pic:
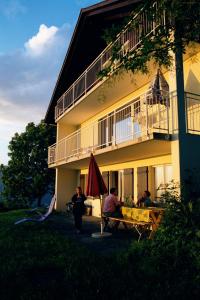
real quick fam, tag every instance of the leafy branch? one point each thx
(181, 18)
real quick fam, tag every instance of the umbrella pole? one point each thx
(101, 201)
(101, 234)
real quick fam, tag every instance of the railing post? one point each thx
(147, 116)
(73, 93)
(63, 97)
(168, 106)
(93, 137)
(85, 81)
(114, 129)
(65, 150)
(172, 111)
(186, 111)
(56, 152)
(77, 143)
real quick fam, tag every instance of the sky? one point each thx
(34, 37)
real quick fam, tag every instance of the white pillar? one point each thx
(135, 185)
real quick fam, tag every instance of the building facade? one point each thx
(130, 122)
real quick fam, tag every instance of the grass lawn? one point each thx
(39, 261)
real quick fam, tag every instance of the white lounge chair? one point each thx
(39, 217)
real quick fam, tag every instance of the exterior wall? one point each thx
(66, 182)
(192, 70)
(64, 130)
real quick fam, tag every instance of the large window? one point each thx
(120, 126)
(143, 180)
(126, 184)
(163, 175)
(106, 179)
(123, 124)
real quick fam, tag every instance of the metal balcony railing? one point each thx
(129, 39)
(149, 113)
(192, 102)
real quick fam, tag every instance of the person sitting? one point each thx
(112, 208)
(145, 200)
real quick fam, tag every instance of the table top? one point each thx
(141, 214)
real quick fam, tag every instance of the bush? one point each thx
(168, 267)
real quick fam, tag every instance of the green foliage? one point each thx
(128, 201)
(182, 22)
(27, 177)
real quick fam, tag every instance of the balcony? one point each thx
(128, 40)
(151, 116)
(146, 117)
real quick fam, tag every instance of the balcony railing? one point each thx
(128, 39)
(193, 113)
(149, 113)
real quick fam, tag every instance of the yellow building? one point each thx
(126, 121)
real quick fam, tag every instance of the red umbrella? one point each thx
(95, 185)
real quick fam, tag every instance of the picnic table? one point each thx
(141, 219)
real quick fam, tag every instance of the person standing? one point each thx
(78, 208)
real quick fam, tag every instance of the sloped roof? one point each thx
(87, 43)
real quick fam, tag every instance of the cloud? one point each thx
(43, 39)
(27, 79)
(11, 8)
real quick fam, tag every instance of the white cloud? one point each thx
(27, 79)
(44, 38)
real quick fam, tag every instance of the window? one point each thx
(128, 183)
(105, 176)
(163, 175)
(143, 180)
(123, 124)
(106, 130)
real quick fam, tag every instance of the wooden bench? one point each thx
(139, 226)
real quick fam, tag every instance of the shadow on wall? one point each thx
(193, 80)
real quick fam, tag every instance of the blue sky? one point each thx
(32, 32)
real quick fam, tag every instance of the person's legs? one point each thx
(78, 220)
(118, 214)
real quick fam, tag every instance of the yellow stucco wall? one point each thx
(67, 180)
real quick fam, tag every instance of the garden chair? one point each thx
(39, 216)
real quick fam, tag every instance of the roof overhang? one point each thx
(87, 43)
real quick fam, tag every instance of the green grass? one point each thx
(39, 262)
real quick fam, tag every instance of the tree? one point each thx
(181, 26)
(27, 178)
